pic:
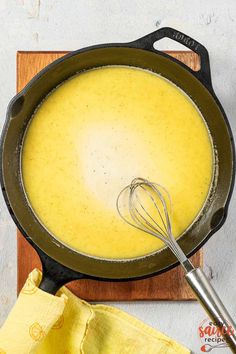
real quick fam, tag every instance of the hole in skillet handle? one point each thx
(55, 275)
(148, 41)
(167, 45)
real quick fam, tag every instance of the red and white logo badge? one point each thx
(211, 336)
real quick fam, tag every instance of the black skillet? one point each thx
(62, 264)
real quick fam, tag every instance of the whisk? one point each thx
(147, 206)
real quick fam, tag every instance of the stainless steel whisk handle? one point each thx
(214, 307)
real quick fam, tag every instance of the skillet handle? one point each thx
(212, 304)
(148, 41)
(55, 275)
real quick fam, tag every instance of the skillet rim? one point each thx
(118, 45)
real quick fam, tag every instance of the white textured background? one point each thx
(71, 24)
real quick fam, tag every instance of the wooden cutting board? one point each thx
(168, 286)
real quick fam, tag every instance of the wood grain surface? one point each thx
(168, 286)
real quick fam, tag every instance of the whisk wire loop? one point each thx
(149, 215)
(138, 215)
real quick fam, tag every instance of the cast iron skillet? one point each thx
(62, 264)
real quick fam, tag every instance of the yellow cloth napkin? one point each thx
(41, 323)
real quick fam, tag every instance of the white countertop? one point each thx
(72, 24)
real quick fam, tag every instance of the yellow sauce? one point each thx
(93, 135)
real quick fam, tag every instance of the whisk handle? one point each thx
(214, 307)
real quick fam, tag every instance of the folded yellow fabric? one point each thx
(41, 323)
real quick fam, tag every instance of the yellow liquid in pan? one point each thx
(92, 136)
